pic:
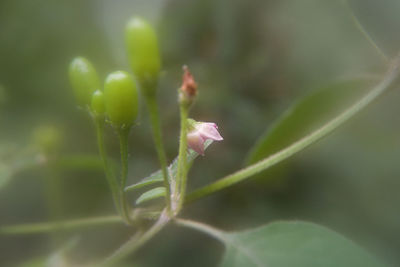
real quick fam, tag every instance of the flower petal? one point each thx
(196, 142)
(209, 130)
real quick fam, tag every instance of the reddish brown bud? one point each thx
(188, 90)
(189, 86)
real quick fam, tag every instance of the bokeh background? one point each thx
(252, 60)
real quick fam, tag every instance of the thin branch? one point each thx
(137, 240)
(37, 228)
(180, 185)
(157, 137)
(218, 234)
(366, 35)
(111, 179)
(123, 135)
(222, 236)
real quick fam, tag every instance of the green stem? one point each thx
(36, 228)
(224, 237)
(218, 234)
(326, 129)
(138, 240)
(364, 32)
(53, 192)
(123, 134)
(54, 200)
(180, 186)
(157, 137)
(63, 225)
(111, 179)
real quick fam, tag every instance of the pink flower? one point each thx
(199, 133)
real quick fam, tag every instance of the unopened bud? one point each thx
(84, 80)
(97, 105)
(121, 99)
(142, 46)
(188, 90)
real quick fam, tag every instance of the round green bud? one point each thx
(121, 99)
(98, 107)
(142, 46)
(84, 80)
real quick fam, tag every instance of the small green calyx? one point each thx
(142, 47)
(84, 80)
(121, 99)
(191, 123)
(97, 105)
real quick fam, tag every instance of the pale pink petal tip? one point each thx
(209, 130)
(196, 142)
(202, 131)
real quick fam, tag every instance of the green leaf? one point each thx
(157, 177)
(293, 244)
(278, 244)
(151, 194)
(305, 116)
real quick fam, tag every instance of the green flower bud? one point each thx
(98, 107)
(121, 99)
(142, 46)
(84, 80)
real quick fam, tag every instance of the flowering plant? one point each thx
(149, 205)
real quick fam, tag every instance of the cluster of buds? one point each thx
(119, 100)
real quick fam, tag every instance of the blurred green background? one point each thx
(252, 60)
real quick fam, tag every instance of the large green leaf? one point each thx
(305, 116)
(296, 244)
(281, 244)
